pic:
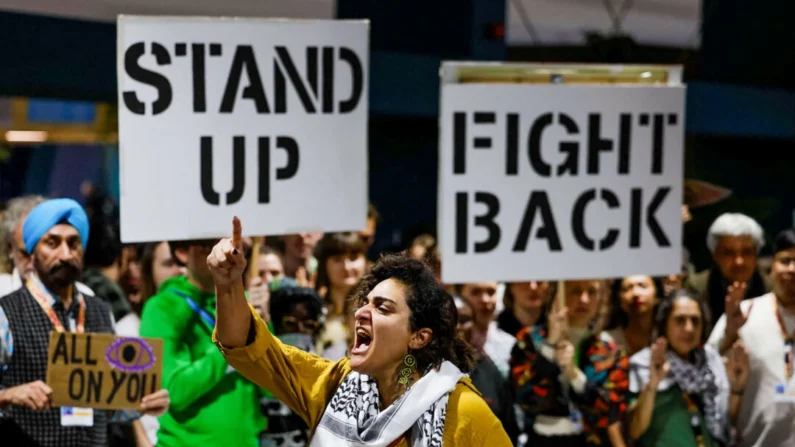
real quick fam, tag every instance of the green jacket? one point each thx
(211, 405)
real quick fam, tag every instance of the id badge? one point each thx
(576, 420)
(784, 393)
(77, 417)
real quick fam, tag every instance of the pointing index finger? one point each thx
(237, 233)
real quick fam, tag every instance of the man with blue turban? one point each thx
(55, 234)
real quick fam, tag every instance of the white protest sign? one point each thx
(261, 119)
(548, 182)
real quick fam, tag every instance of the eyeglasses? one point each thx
(292, 324)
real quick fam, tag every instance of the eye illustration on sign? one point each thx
(130, 355)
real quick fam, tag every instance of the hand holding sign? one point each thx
(227, 262)
(156, 404)
(36, 396)
(558, 324)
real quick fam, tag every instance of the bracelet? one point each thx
(738, 393)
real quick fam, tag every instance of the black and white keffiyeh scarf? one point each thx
(706, 377)
(701, 378)
(352, 417)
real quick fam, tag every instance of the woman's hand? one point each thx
(658, 364)
(227, 262)
(156, 404)
(735, 318)
(558, 323)
(564, 356)
(737, 367)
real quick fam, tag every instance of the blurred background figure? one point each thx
(342, 261)
(735, 241)
(297, 314)
(486, 377)
(634, 301)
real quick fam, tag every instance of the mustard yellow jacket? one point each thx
(306, 382)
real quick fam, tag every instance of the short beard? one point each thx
(59, 276)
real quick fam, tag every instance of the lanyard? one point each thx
(43, 298)
(695, 419)
(209, 319)
(788, 342)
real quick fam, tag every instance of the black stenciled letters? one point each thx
(211, 196)
(118, 380)
(75, 359)
(94, 386)
(578, 219)
(133, 391)
(280, 83)
(238, 171)
(60, 351)
(244, 59)
(140, 74)
(89, 360)
(485, 220)
(538, 202)
(357, 76)
(651, 220)
(315, 90)
(77, 384)
(596, 143)
(570, 148)
(291, 147)
(199, 87)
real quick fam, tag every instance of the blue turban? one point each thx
(51, 213)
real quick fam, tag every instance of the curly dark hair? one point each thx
(431, 307)
(666, 308)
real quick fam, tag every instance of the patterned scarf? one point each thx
(352, 417)
(699, 378)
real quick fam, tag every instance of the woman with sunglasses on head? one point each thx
(405, 382)
(682, 393)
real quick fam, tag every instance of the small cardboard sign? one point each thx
(103, 371)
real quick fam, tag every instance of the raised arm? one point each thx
(302, 381)
(227, 264)
(644, 407)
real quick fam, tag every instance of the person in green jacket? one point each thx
(211, 404)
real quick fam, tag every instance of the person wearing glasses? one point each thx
(296, 314)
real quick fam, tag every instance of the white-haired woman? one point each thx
(734, 240)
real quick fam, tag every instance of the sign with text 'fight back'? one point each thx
(261, 119)
(548, 182)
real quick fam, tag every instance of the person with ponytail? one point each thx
(405, 382)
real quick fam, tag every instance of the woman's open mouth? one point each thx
(362, 342)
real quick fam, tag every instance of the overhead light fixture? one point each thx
(26, 136)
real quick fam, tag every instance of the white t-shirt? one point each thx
(763, 422)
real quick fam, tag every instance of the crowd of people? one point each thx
(301, 340)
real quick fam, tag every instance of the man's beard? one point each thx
(60, 275)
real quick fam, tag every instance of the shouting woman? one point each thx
(404, 383)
